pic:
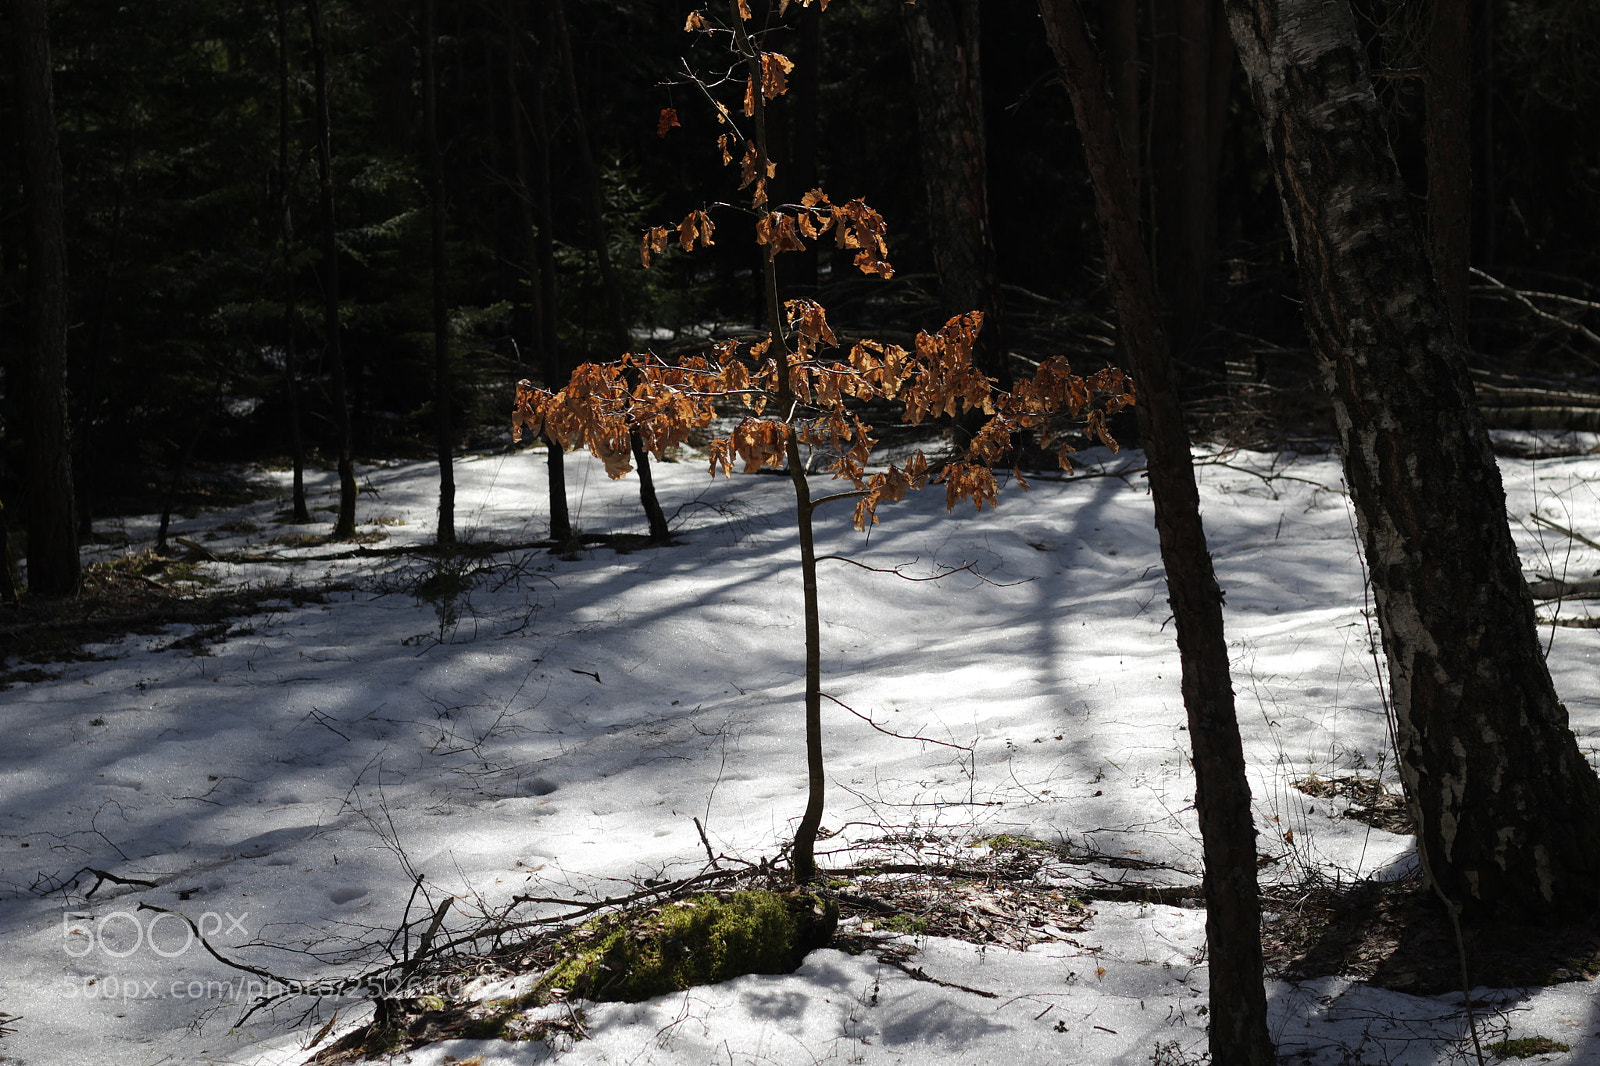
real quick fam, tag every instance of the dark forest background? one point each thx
(187, 137)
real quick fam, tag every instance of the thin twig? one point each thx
(1579, 537)
(947, 572)
(892, 733)
(704, 840)
(1522, 298)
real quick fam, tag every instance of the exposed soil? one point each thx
(1370, 802)
(1397, 935)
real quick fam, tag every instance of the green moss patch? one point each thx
(699, 941)
(1526, 1048)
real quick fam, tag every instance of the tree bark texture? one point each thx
(345, 525)
(1222, 791)
(1507, 809)
(445, 532)
(943, 39)
(53, 566)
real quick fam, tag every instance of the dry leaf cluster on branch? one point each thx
(598, 408)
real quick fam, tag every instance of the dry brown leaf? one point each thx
(653, 243)
(775, 70)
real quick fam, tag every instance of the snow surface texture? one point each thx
(558, 727)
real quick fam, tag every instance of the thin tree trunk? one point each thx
(533, 184)
(345, 526)
(615, 311)
(8, 573)
(943, 39)
(1447, 95)
(1222, 791)
(1507, 809)
(90, 383)
(53, 566)
(446, 532)
(301, 514)
(803, 861)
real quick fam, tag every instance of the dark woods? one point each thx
(316, 231)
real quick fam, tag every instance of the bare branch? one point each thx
(897, 571)
(892, 733)
(1520, 297)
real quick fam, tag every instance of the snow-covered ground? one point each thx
(560, 728)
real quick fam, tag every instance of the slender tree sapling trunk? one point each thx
(1506, 807)
(803, 862)
(1222, 790)
(793, 394)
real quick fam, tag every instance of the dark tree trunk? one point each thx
(443, 447)
(53, 567)
(1484, 193)
(9, 592)
(1222, 791)
(300, 513)
(533, 185)
(1122, 56)
(1506, 808)
(345, 526)
(1447, 92)
(942, 36)
(90, 399)
(1192, 62)
(393, 95)
(615, 310)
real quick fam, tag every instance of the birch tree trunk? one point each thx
(1507, 810)
(1222, 791)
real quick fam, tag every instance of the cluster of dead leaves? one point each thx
(664, 403)
(856, 226)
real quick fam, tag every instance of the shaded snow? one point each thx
(562, 729)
